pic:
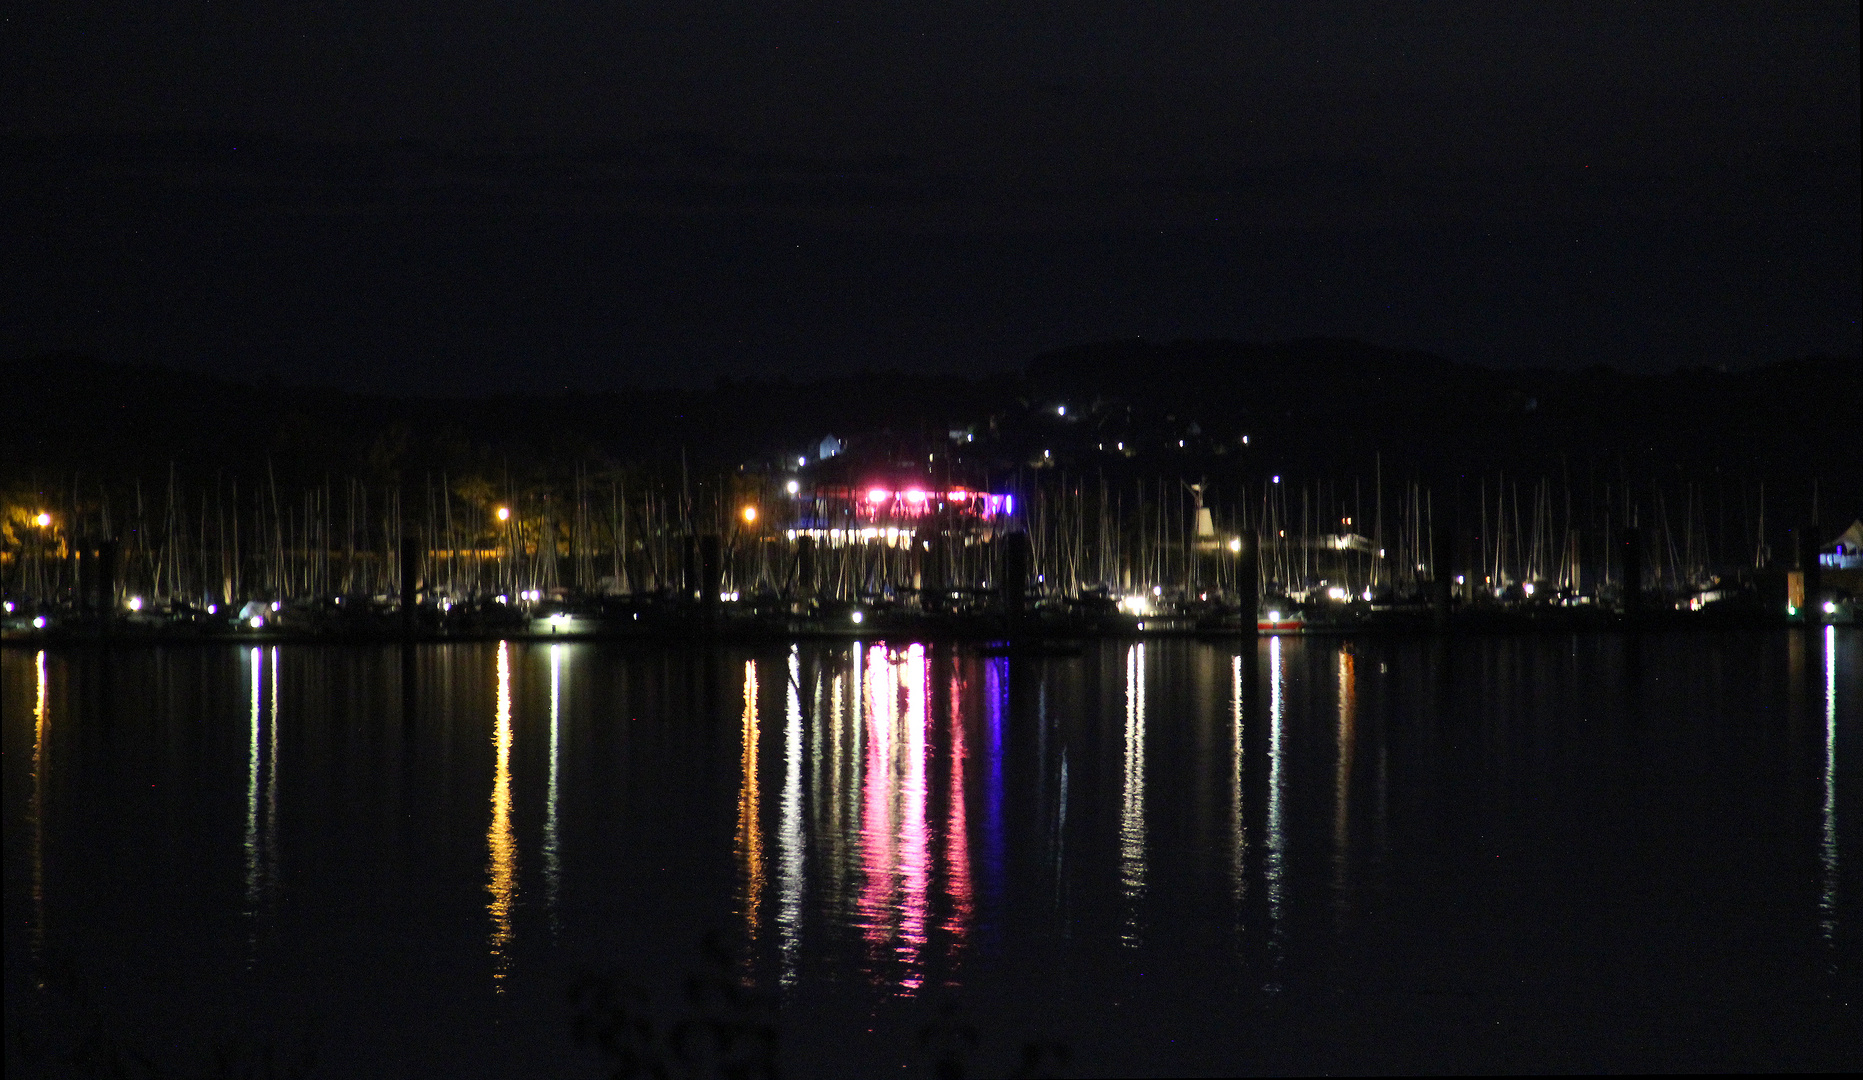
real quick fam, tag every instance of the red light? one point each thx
(878, 495)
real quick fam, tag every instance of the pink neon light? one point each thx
(878, 495)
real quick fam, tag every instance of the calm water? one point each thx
(1346, 855)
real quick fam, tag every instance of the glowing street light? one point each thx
(792, 487)
(749, 514)
(43, 520)
(503, 513)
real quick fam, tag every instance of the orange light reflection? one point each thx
(501, 868)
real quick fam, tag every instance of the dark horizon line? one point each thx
(270, 380)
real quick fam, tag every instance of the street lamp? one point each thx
(503, 513)
(43, 520)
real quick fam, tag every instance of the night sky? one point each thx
(472, 196)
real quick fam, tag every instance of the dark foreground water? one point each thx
(1573, 853)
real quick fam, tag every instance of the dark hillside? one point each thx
(1317, 407)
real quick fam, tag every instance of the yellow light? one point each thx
(1235, 543)
(750, 515)
(42, 520)
(504, 513)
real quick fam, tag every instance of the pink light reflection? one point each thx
(957, 830)
(877, 855)
(914, 836)
(895, 836)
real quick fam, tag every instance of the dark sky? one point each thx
(448, 195)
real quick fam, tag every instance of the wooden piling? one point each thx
(1632, 541)
(409, 568)
(1248, 581)
(1016, 561)
(1442, 574)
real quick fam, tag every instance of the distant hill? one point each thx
(1311, 407)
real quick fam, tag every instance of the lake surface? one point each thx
(1318, 854)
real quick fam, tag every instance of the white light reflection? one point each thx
(257, 663)
(842, 796)
(1238, 848)
(269, 832)
(1827, 853)
(1274, 869)
(789, 883)
(552, 854)
(1132, 804)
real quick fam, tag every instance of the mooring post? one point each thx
(410, 565)
(689, 567)
(1633, 573)
(1016, 574)
(805, 567)
(1442, 574)
(105, 574)
(711, 573)
(87, 576)
(1807, 544)
(1248, 581)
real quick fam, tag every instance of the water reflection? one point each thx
(962, 907)
(260, 842)
(995, 697)
(1238, 821)
(552, 857)
(789, 883)
(41, 722)
(268, 834)
(1132, 798)
(873, 810)
(1827, 848)
(895, 852)
(918, 816)
(501, 866)
(749, 824)
(1274, 867)
(257, 664)
(1342, 779)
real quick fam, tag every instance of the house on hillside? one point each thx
(1845, 552)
